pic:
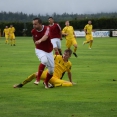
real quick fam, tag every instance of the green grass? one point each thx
(95, 94)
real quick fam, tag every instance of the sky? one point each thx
(44, 7)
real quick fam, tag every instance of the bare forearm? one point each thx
(70, 76)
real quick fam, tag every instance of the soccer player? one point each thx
(12, 35)
(62, 65)
(43, 50)
(69, 34)
(6, 34)
(55, 35)
(88, 34)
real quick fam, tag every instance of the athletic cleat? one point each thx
(50, 85)
(36, 82)
(75, 54)
(46, 85)
(18, 86)
(13, 44)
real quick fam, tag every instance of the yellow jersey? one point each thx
(88, 28)
(6, 31)
(11, 30)
(61, 66)
(70, 31)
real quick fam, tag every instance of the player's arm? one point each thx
(69, 76)
(59, 31)
(85, 30)
(64, 32)
(44, 38)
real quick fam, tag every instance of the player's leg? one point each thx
(91, 41)
(29, 79)
(50, 66)
(59, 46)
(58, 82)
(74, 42)
(68, 44)
(54, 43)
(87, 40)
(14, 40)
(6, 39)
(11, 39)
(42, 57)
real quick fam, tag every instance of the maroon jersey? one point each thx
(55, 31)
(44, 45)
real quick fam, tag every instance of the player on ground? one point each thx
(88, 34)
(55, 35)
(62, 64)
(69, 34)
(43, 50)
(12, 35)
(6, 34)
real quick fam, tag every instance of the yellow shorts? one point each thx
(12, 36)
(71, 42)
(55, 81)
(89, 37)
(6, 36)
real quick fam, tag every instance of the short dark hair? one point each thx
(39, 20)
(50, 17)
(68, 51)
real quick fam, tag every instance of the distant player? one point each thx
(12, 35)
(43, 50)
(55, 35)
(69, 34)
(6, 34)
(88, 34)
(62, 65)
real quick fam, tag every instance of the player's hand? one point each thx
(74, 83)
(38, 42)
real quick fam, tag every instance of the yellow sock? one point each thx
(13, 41)
(67, 84)
(75, 48)
(29, 79)
(57, 85)
(90, 45)
(86, 42)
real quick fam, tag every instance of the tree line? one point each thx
(24, 26)
(23, 17)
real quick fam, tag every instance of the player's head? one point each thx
(67, 23)
(89, 22)
(67, 54)
(11, 25)
(6, 26)
(37, 23)
(51, 20)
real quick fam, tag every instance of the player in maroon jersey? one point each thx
(43, 50)
(55, 35)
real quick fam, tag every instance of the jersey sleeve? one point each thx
(64, 30)
(47, 31)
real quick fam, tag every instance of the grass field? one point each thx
(94, 71)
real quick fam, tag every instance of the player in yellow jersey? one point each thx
(68, 32)
(88, 32)
(12, 35)
(6, 34)
(62, 65)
